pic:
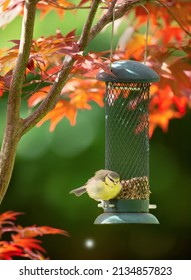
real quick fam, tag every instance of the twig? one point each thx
(87, 27)
(173, 16)
(147, 34)
(108, 16)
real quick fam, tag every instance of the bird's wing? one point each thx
(79, 191)
(99, 175)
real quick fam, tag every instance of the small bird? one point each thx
(104, 186)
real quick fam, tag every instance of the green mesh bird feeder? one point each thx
(127, 140)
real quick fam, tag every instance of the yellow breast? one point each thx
(99, 190)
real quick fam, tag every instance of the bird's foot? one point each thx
(105, 204)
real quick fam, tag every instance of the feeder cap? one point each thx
(126, 71)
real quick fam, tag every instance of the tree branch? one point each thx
(13, 122)
(87, 27)
(108, 16)
(173, 16)
(22, 60)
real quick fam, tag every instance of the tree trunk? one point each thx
(12, 132)
(7, 159)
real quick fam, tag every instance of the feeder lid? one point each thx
(129, 71)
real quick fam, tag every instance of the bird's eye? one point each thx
(111, 179)
(115, 181)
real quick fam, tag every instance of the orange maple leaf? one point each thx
(34, 231)
(83, 91)
(8, 60)
(62, 109)
(9, 250)
(5, 4)
(9, 10)
(38, 96)
(27, 243)
(8, 216)
(161, 120)
(2, 85)
(77, 94)
(135, 46)
(163, 98)
(59, 6)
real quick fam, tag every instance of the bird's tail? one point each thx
(79, 191)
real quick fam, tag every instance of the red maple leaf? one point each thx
(8, 216)
(23, 242)
(9, 250)
(33, 231)
(62, 109)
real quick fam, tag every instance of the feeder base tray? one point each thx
(126, 218)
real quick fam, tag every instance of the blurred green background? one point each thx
(49, 165)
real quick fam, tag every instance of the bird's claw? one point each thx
(105, 204)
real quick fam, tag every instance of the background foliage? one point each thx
(48, 166)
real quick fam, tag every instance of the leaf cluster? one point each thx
(21, 241)
(168, 53)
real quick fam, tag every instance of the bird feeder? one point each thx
(127, 140)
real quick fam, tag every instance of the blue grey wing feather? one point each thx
(79, 191)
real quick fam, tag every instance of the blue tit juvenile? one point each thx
(105, 185)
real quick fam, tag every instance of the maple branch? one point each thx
(83, 41)
(50, 101)
(119, 12)
(173, 16)
(13, 121)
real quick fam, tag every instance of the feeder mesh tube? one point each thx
(127, 137)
